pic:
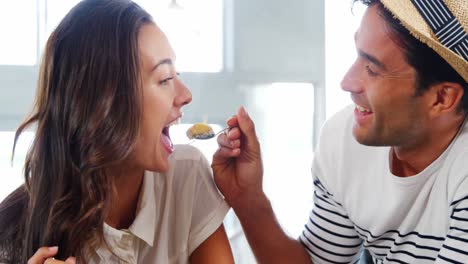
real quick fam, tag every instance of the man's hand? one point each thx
(237, 164)
(238, 172)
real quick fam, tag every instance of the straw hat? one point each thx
(441, 24)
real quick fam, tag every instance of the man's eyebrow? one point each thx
(372, 59)
(163, 61)
(369, 57)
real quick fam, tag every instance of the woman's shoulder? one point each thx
(189, 169)
(186, 162)
(186, 153)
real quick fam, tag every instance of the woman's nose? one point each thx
(184, 96)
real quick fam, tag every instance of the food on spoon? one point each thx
(200, 131)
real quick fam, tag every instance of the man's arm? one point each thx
(238, 173)
(267, 239)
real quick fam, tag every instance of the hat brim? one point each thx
(410, 18)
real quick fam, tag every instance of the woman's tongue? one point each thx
(166, 140)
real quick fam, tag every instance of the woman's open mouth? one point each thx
(166, 140)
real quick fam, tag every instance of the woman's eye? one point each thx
(166, 80)
(370, 71)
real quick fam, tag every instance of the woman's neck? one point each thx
(124, 206)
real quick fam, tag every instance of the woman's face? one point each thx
(164, 95)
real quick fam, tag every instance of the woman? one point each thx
(103, 181)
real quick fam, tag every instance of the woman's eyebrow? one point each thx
(163, 61)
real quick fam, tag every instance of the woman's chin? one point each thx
(161, 166)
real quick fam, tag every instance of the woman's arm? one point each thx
(215, 249)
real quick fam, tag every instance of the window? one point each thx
(340, 52)
(18, 28)
(194, 28)
(56, 10)
(283, 113)
(12, 174)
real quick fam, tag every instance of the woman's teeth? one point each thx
(175, 122)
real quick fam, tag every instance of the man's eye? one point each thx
(370, 71)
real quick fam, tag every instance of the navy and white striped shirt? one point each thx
(359, 203)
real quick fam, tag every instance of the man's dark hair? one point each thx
(430, 68)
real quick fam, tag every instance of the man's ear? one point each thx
(446, 98)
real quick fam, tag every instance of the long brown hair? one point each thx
(87, 112)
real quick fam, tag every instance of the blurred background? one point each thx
(283, 60)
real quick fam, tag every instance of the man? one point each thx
(390, 173)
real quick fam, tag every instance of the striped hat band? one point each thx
(441, 24)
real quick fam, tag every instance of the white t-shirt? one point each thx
(359, 203)
(176, 212)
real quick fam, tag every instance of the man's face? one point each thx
(382, 85)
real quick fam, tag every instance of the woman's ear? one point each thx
(446, 98)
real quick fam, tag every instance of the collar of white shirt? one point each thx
(144, 225)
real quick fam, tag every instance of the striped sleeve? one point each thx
(329, 235)
(455, 247)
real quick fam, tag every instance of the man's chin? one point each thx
(367, 139)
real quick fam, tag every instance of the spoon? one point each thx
(202, 131)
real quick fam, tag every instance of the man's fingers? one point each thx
(225, 141)
(248, 127)
(234, 133)
(235, 143)
(222, 140)
(245, 123)
(42, 254)
(225, 153)
(232, 121)
(241, 126)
